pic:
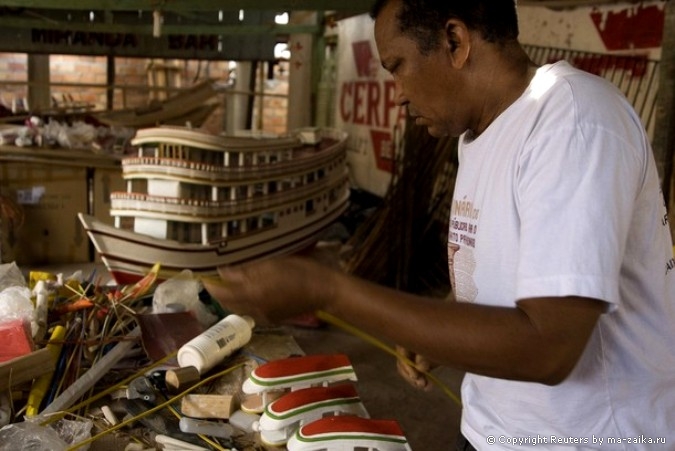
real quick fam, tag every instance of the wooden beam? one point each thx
(192, 5)
(664, 131)
(188, 29)
(26, 368)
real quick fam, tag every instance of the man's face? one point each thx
(427, 84)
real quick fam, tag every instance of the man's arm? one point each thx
(539, 340)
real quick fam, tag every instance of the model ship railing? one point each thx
(121, 201)
(172, 166)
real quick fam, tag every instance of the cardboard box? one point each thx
(50, 198)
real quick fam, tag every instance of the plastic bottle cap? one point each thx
(189, 356)
(250, 321)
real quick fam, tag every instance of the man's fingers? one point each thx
(409, 373)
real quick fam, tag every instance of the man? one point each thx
(560, 259)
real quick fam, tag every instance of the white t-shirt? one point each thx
(560, 196)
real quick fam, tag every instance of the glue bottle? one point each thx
(222, 339)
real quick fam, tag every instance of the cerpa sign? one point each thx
(366, 107)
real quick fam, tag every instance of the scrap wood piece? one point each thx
(207, 406)
(180, 379)
(26, 368)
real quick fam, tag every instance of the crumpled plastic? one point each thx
(180, 294)
(15, 303)
(31, 436)
(17, 312)
(28, 436)
(11, 276)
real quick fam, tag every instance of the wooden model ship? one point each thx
(197, 201)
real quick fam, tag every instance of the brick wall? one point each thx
(13, 68)
(131, 79)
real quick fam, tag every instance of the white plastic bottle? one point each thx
(210, 348)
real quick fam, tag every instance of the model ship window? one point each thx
(150, 151)
(252, 224)
(268, 220)
(310, 177)
(321, 173)
(196, 192)
(258, 190)
(272, 187)
(224, 193)
(248, 159)
(309, 206)
(242, 192)
(233, 159)
(184, 232)
(138, 185)
(214, 233)
(206, 157)
(174, 151)
(126, 223)
(233, 228)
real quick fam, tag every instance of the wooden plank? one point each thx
(664, 133)
(26, 368)
(119, 43)
(207, 406)
(168, 29)
(193, 5)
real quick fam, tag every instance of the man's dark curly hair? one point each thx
(496, 20)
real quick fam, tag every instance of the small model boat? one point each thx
(274, 378)
(285, 415)
(192, 106)
(349, 433)
(197, 201)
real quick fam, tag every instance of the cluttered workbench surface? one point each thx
(88, 364)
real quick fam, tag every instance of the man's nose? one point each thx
(399, 96)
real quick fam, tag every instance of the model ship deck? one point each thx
(198, 201)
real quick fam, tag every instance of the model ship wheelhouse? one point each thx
(196, 201)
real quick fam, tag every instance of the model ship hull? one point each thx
(198, 201)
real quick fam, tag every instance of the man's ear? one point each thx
(458, 42)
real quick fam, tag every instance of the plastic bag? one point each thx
(11, 276)
(180, 294)
(31, 436)
(74, 431)
(15, 303)
(28, 436)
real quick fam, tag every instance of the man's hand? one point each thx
(272, 290)
(414, 375)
